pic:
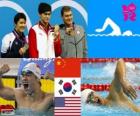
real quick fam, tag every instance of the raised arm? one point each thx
(6, 92)
(120, 82)
(120, 72)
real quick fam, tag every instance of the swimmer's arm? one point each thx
(120, 72)
(5, 92)
(119, 76)
(49, 75)
(48, 102)
(121, 82)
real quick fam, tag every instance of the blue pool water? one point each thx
(102, 73)
(28, 112)
(91, 110)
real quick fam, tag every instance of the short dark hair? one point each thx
(19, 16)
(44, 7)
(65, 9)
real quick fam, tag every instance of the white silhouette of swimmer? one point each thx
(116, 29)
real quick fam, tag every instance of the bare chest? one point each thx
(31, 104)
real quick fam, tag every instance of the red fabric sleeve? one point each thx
(57, 46)
(33, 52)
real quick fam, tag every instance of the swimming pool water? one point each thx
(28, 112)
(92, 110)
(103, 73)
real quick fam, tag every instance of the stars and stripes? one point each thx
(67, 106)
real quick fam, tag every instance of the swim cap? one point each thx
(34, 68)
(84, 94)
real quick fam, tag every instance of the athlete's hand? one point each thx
(49, 75)
(70, 31)
(129, 90)
(5, 68)
(56, 30)
(21, 51)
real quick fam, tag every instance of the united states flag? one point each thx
(67, 106)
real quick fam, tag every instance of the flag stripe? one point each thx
(72, 99)
(64, 114)
(73, 105)
(73, 111)
(59, 108)
(73, 102)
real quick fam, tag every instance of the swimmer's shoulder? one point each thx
(49, 94)
(49, 97)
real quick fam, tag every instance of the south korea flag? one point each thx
(67, 87)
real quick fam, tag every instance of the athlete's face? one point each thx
(21, 25)
(94, 98)
(68, 18)
(28, 78)
(45, 17)
(29, 81)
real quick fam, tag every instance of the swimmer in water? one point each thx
(119, 94)
(29, 95)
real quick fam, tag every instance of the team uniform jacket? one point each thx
(42, 43)
(73, 46)
(11, 43)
